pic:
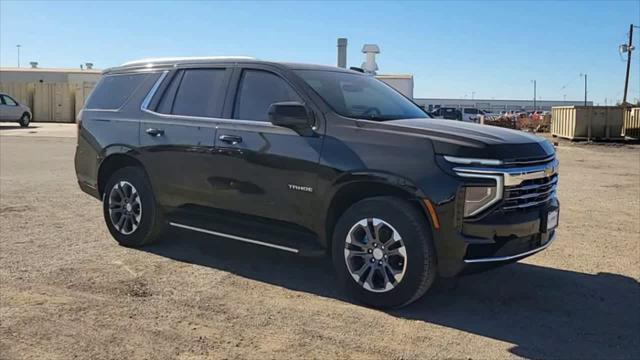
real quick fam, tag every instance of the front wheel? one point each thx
(25, 120)
(383, 253)
(130, 209)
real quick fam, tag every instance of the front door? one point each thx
(9, 109)
(177, 136)
(266, 170)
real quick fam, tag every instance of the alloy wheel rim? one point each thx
(125, 207)
(375, 255)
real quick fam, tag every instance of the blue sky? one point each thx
(453, 49)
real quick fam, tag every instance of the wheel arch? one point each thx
(113, 162)
(357, 187)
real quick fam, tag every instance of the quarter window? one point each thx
(257, 91)
(113, 90)
(200, 93)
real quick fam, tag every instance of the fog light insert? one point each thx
(478, 198)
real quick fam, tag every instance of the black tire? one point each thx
(25, 120)
(411, 225)
(151, 223)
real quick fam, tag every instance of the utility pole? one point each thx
(585, 88)
(18, 46)
(534, 95)
(628, 50)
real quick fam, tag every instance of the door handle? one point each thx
(230, 139)
(155, 132)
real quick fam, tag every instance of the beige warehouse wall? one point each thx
(51, 102)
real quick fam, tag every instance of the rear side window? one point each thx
(200, 93)
(113, 90)
(257, 91)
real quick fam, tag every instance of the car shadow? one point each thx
(544, 312)
(15, 127)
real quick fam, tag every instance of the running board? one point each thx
(234, 237)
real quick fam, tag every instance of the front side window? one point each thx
(257, 91)
(360, 96)
(113, 90)
(200, 93)
(9, 101)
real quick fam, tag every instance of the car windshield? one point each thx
(360, 96)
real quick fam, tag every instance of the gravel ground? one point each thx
(67, 290)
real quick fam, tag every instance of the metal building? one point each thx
(53, 94)
(496, 105)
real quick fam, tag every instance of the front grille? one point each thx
(530, 193)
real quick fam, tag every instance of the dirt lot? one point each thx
(67, 290)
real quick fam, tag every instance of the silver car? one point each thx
(12, 110)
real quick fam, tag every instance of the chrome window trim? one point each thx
(512, 257)
(147, 100)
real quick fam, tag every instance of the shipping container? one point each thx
(587, 122)
(632, 123)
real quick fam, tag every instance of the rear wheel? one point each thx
(25, 120)
(130, 209)
(383, 252)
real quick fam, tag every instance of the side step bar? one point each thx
(234, 237)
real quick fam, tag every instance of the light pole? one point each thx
(473, 95)
(564, 99)
(18, 46)
(534, 95)
(585, 88)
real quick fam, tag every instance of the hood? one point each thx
(457, 138)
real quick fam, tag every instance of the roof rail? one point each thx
(187, 58)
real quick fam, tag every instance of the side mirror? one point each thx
(292, 115)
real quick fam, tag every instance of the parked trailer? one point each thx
(587, 122)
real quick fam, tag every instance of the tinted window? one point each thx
(114, 90)
(470, 111)
(166, 103)
(200, 93)
(257, 91)
(360, 96)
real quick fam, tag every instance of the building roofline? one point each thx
(490, 100)
(53, 70)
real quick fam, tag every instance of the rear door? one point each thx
(265, 170)
(177, 135)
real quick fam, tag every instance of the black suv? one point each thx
(313, 160)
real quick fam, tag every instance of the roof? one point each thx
(184, 59)
(53, 70)
(174, 61)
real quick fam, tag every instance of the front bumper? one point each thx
(509, 228)
(497, 239)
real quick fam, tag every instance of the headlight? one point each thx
(478, 198)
